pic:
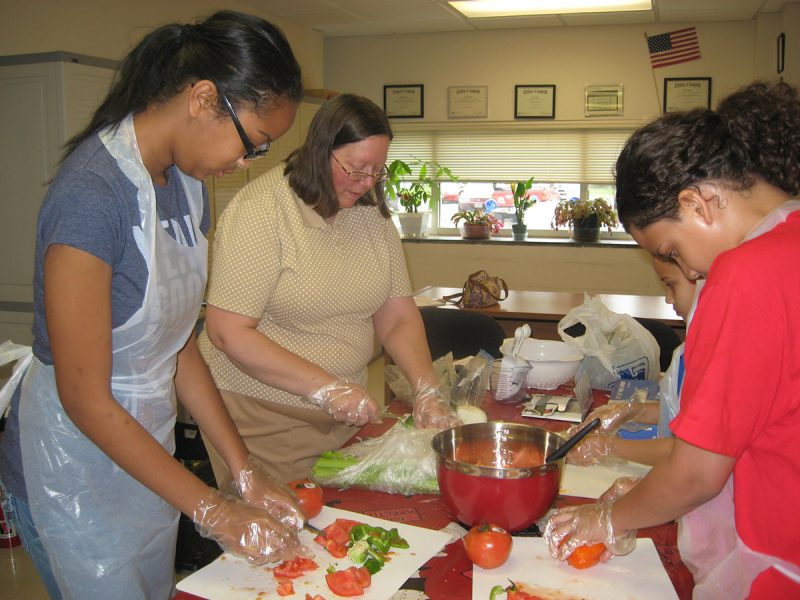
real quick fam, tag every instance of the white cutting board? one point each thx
(637, 576)
(592, 481)
(233, 578)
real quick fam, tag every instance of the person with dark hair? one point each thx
(713, 190)
(119, 279)
(307, 269)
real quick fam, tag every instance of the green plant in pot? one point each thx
(522, 202)
(585, 217)
(416, 195)
(478, 225)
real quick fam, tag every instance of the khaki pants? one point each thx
(287, 440)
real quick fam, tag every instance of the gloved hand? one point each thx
(255, 487)
(619, 488)
(346, 402)
(246, 530)
(431, 410)
(595, 449)
(574, 526)
(613, 416)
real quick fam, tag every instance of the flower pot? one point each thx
(520, 232)
(476, 231)
(414, 225)
(586, 229)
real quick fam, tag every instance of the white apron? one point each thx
(106, 535)
(722, 564)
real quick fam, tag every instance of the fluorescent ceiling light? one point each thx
(519, 8)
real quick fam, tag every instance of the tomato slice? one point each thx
(314, 597)
(285, 589)
(333, 547)
(294, 568)
(344, 583)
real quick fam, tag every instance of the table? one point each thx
(449, 577)
(545, 309)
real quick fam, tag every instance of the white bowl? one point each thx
(554, 363)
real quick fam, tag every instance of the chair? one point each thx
(462, 332)
(666, 337)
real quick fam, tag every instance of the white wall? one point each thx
(109, 29)
(733, 54)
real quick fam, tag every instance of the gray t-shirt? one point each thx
(91, 205)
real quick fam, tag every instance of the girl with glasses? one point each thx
(716, 191)
(308, 270)
(120, 275)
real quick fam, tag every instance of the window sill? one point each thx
(608, 242)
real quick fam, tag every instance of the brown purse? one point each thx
(480, 291)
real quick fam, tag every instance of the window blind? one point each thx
(503, 153)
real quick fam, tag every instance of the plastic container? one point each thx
(509, 385)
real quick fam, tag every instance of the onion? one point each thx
(470, 414)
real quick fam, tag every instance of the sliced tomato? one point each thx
(285, 589)
(344, 583)
(333, 547)
(362, 576)
(520, 595)
(314, 597)
(294, 568)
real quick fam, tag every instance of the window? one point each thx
(565, 161)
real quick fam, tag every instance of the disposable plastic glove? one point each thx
(619, 488)
(246, 530)
(431, 410)
(255, 487)
(574, 526)
(613, 416)
(595, 449)
(346, 402)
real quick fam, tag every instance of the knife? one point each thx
(315, 530)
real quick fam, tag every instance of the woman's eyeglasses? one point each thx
(359, 176)
(250, 151)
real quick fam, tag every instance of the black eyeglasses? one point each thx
(250, 151)
(359, 176)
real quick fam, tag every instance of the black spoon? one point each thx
(562, 450)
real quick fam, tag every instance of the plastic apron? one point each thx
(722, 564)
(106, 535)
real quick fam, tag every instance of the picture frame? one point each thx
(781, 48)
(535, 101)
(604, 100)
(467, 101)
(686, 93)
(404, 101)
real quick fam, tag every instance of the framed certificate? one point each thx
(404, 101)
(603, 101)
(686, 93)
(468, 101)
(534, 102)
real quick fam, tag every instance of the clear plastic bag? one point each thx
(616, 346)
(22, 355)
(443, 367)
(401, 461)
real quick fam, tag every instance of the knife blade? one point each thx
(315, 530)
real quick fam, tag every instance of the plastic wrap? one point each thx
(401, 461)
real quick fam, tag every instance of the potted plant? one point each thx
(478, 225)
(585, 217)
(414, 198)
(522, 202)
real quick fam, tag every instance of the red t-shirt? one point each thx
(741, 395)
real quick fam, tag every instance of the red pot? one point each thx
(494, 472)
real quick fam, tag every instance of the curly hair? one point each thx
(754, 134)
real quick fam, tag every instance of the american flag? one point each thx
(673, 48)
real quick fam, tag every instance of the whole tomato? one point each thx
(584, 557)
(309, 494)
(488, 545)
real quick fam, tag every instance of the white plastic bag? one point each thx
(616, 345)
(10, 352)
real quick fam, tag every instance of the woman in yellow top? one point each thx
(307, 269)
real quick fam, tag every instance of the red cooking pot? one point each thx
(495, 473)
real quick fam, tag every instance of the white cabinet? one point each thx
(44, 100)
